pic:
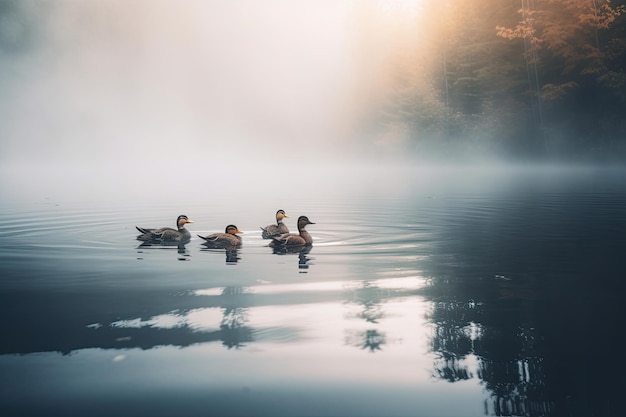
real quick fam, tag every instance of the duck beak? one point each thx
(238, 231)
(284, 215)
(310, 222)
(188, 221)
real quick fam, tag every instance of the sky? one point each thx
(129, 76)
(117, 89)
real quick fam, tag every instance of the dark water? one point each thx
(446, 293)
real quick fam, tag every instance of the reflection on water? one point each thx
(366, 297)
(183, 253)
(234, 319)
(232, 254)
(226, 322)
(226, 314)
(525, 300)
(468, 302)
(301, 251)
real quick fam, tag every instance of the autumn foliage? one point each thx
(522, 77)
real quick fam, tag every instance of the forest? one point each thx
(521, 79)
(445, 79)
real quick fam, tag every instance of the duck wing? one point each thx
(287, 240)
(274, 230)
(221, 240)
(169, 234)
(164, 233)
(221, 236)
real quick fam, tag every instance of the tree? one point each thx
(570, 49)
(545, 78)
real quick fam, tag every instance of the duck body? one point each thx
(303, 238)
(224, 240)
(167, 234)
(275, 230)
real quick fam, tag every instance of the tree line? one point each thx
(509, 77)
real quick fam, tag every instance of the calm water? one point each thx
(446, 293)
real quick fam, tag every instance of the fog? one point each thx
(104, 95)
(127, 99)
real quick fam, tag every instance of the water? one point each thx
(426, 293)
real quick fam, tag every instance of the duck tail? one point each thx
(265, 234)
(208, 238)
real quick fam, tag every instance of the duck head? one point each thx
(303, 221)
(182, 220)
(280, 214)
(232, 230)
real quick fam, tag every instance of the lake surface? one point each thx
(426, 293)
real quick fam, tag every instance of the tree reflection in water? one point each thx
(530, 351)
(453, 339)
(367, 296)
(234, 332)
(526, 295)
(370, 339)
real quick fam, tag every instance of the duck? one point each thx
(222, 240)
(277, 229)
(291, 239)
(167, 234)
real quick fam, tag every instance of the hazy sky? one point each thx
(98, 95)
(121, 88)
(156, 73)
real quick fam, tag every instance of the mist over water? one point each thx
(149, 99)
(466, 288)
